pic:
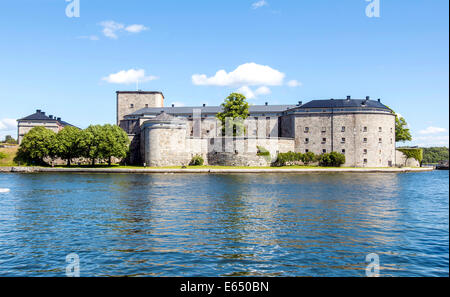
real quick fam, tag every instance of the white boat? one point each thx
(4, 190)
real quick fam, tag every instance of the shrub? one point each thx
(309, 157)
(2, 156)
(264, 153)
(197, 160)
(288, 158)
(332, 159)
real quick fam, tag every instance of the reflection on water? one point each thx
(224, 225)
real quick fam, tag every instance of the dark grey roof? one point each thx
(343, 103)
(210, 109)
(42, 117)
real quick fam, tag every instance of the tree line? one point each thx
(95, 143)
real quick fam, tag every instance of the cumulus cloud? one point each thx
(128, 77)
(432, 130)
(432, 140)
(249, 74)
(294, 83)
(111, 28)
(262, 91)
(250, 94)
(135, 28)
(259, 4)
(8, 124)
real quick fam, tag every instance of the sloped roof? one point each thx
(42, 117)
(209, 109)
(344, 103)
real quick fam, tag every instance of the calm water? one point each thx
(225, 225)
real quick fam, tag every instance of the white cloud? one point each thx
(432, 140)
(135, 28)
(262, 91)
(247, 92)
(432, 130)
(8, 124)
(249, 74)
(259, 4)
(178, 104)
(111, 28)
(128, 77)
(294, 83)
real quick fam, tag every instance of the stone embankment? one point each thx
(209, 170)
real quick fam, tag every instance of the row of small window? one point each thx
(342, 151)
(365, 129)
(324, 140)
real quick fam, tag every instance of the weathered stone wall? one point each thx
(129, 102)
(367, 138)
(401, 160)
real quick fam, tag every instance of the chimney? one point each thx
(173, 105)
(367, 98)
(204, 105)
(51, 116)
(300, 103)
(379, 100)
(349, 97)
(267, 103)
(58, 119)
(43, 113)
(38, 111)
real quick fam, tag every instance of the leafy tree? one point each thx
(433, 155)
(402, 132)
(412, 153)
(10, 140)
(69, 143)
(332, 159)
(114, 143)
(38, 144)
(234, 107)
(2, 155)
(92, 137)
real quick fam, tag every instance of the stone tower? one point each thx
(129, 102)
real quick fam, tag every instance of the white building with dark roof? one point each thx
(39, 118)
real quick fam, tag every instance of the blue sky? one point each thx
(288, 51)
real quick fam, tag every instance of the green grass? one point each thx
(10, 153)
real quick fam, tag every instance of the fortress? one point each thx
(362, 129)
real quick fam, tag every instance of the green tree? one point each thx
(234, 107)
(114, 143)
(402, 132)
(92, 137)
(2, 156)
(39, 143)
(69, 143)
(309, 157)
(433, 155)
(10, 140)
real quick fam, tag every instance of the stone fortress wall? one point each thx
(365, 136)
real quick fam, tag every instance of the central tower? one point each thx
(131, 101)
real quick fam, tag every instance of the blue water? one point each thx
(225, 225)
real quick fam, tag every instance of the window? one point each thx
(324, 140)
(268, 119)
(391, 130)
(365, 151)
(391, 140)
(324, 151)
(343, 129)
(365, 161)
(365, 129)
(146, 105)
(131, 105)
(380, 129)
(324, 129)
(380, 140)
(379, 152)
(306, 140)
(306, 129)
(343, 151)
(343, 140)
(306, 151)
(365, 140)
